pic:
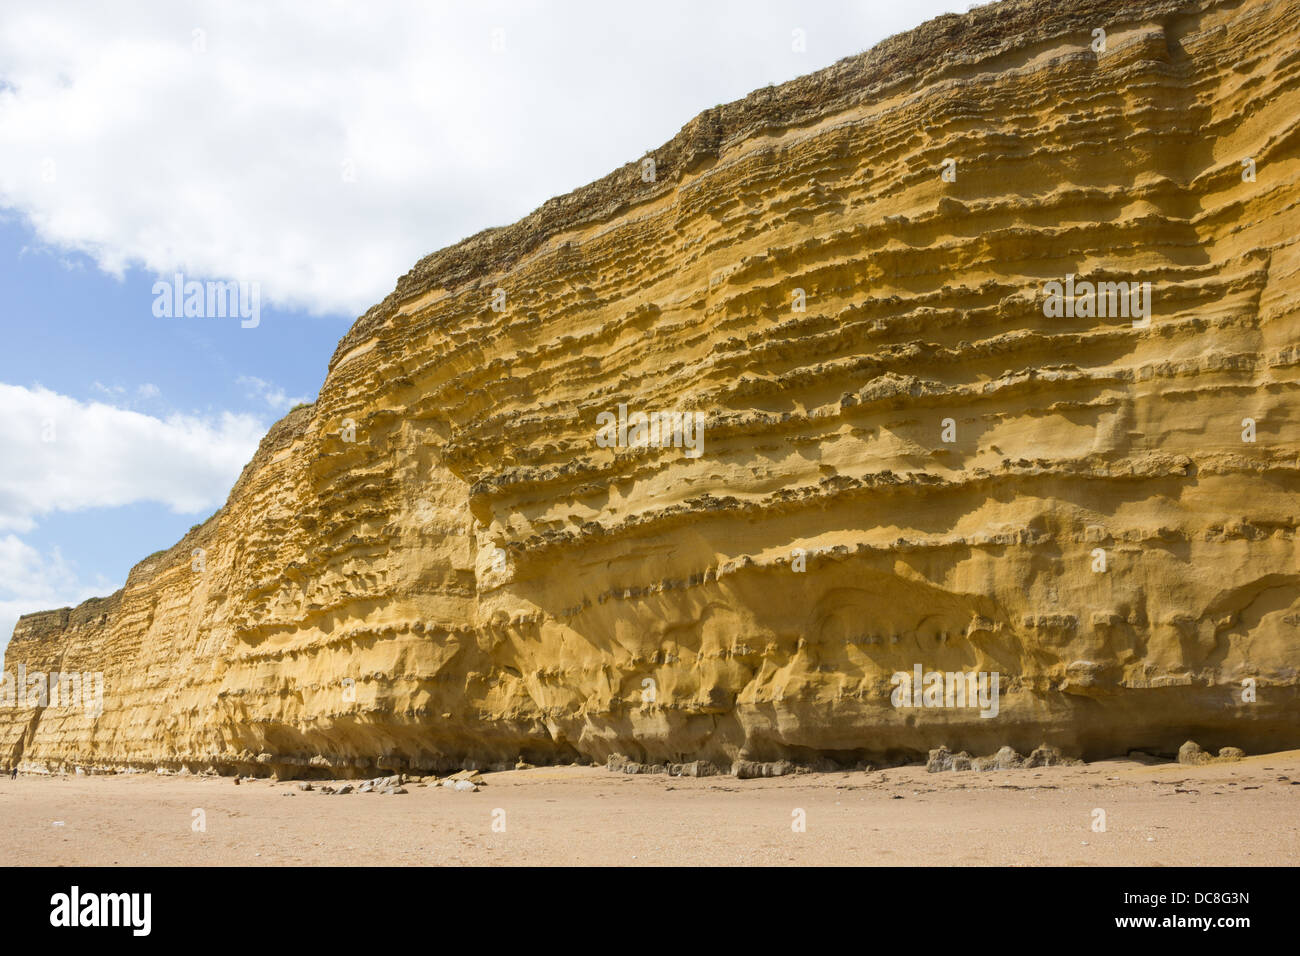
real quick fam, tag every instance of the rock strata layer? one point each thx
(904, 463)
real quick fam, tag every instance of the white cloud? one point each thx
(263, 391)
(119, 393)
(127, 135)
(65, 455)
(31, 581)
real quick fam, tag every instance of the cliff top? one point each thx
(908, 57)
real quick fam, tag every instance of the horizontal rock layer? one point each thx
(438, 563)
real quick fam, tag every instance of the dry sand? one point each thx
(1159, 815)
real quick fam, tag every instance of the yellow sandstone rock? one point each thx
(691, 463)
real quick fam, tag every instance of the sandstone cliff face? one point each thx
(438, 564)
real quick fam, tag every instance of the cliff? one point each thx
(905, 459)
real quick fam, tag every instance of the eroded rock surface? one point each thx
(437, 565)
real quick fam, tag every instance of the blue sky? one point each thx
(317, 149)
(82, 333)
(92, 337)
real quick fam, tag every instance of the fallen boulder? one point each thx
(753, 769)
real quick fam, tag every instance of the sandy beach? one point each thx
(1245, 813)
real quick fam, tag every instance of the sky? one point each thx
(312, 152)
